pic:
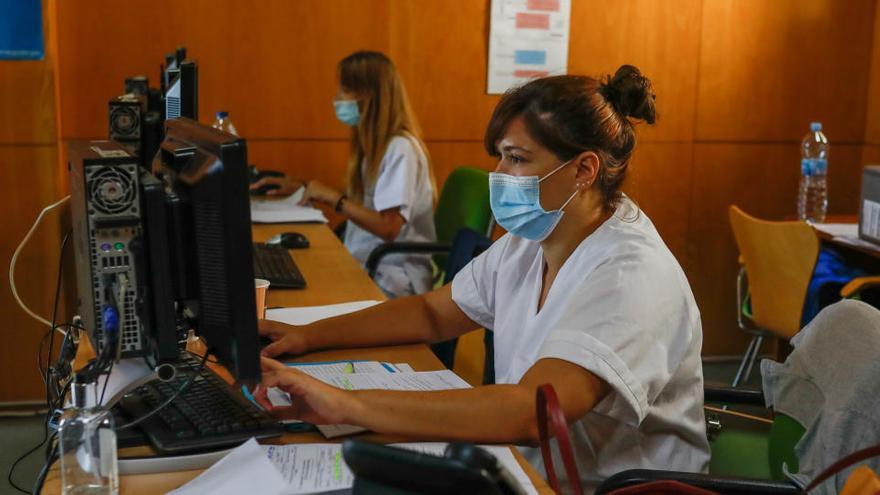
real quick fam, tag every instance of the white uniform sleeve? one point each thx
(630, 325)
(473, 288)
(398, 173)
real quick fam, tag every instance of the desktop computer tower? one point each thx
(126, 116)
(138, 85)
(108, 237)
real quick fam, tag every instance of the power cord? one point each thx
(14, 259)
(46, 374)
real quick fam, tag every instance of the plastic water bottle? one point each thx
(224, 124)
(813, 191)
(87, 446)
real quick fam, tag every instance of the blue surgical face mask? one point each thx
(516, 204)
(347, 112)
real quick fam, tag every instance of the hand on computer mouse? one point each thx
(286, 185)
(312, 400)
(286, 339)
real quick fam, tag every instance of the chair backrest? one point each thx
(463, 203)
(779, 258)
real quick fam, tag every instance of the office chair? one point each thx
(466, 246)
(776, 264)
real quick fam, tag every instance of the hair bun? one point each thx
(631, 94)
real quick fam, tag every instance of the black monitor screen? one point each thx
(210, 247)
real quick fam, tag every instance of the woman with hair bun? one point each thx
(581, 293)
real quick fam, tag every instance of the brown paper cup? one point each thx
(261, 286)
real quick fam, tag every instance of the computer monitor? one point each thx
(205, 228)
(182, 92)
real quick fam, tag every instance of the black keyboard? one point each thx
(273, 263)
(209, 414)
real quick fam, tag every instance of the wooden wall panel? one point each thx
(437, 44)
(27, 175)
(762, 180)
(28, 182)
(769, 68)
(27, 100)
(659, 181)
(271, 64)
(870, 155)
(660, 37)
(872, 126)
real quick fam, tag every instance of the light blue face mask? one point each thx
(516, 204)
(347, 112)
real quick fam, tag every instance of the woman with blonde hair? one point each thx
(390, 193)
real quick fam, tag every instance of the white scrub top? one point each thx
(622, 309)
(403, 182)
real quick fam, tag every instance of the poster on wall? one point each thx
(527, 39)
(21, 30)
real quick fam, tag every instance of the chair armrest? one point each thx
(734, 396)
(856, 285)
(383, 250)
(720, 484)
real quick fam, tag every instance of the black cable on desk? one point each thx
(161, 406)
(51, 456)
(47, 373)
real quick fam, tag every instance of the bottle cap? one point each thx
(815, 126)
(222, 114)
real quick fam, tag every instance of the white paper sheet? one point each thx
(425, 381)
(285, 210)
(527, 39)
(310, 468)
(839, 229)
(415, 381)
(325, 372)
(310, 314)
(245, 470)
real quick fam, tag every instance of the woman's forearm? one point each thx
(429, 317)
(489, 414)
(383, 224)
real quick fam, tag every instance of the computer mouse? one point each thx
(290, 240)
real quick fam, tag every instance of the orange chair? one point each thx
(777, 260)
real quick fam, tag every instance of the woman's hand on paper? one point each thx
(286, 339)
(320, 193)
(312, 400)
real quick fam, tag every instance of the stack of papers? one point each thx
(307, 468)
(311, 314)
(367, 375)
(286, 210)
(355, 375)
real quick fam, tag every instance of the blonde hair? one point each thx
(385, 113)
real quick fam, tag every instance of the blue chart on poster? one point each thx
(21, 30)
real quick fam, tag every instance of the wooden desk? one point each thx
(860, 248)
(332, 276)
